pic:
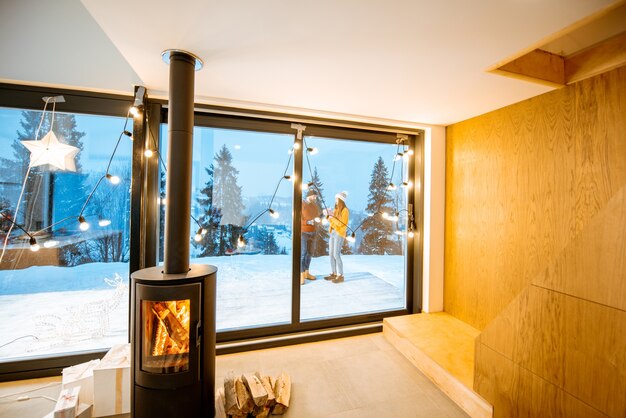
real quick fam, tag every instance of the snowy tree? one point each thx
(320, 241)
(346, 248)
(377, 231)
(222, 206)
(210, 219)
(226, 191)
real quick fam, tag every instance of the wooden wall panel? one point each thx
(536, 249)
(521, 183)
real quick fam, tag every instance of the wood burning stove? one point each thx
(173, 307)
(173, 342)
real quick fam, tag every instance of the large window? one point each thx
(342, 254)
(72, 294)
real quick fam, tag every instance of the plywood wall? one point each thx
(535, 251)
(521, 183)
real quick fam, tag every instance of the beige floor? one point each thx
(351, 377)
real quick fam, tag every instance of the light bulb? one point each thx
(385, 215)
(104, 222)
(405, 156)
(148, 153)
(398, 156)
(296, 145)
(289, 178)
(304, 186)
(241, 242)
(408, 152)
(404, 185)
(391, 186)
(411, 234)
(274, 214)
(317, 219)
(128, 134)
(325, 221)
(34, 247)
(290, 151)
(134, 110)
(351, 238)
(83, 223)
(51, 243)
(163, 200)
(197, 238)
(237, 146)
(312, 150)
(203, 231)
(113, 179)
(394, 217)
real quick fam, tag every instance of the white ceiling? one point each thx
(420, 61)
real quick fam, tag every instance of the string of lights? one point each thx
(151, 150)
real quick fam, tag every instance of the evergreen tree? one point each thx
(376, 230)
(223, 216)
(346, 248)
(320, 240)
(210, 219)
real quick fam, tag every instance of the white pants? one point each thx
(334, 250)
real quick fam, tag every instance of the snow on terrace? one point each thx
(75, 309)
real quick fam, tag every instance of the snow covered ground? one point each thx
(52, 309)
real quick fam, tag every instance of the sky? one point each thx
(261, 159)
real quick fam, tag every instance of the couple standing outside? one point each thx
(338, 220)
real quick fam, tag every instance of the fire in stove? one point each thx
(166, 336)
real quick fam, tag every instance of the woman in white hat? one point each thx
(338, 227)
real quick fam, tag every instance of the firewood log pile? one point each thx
(253, 395)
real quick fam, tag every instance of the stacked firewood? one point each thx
(253, 395)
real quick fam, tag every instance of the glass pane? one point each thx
(165, 336)
(72, 294)
(237, 177)
(353, 229)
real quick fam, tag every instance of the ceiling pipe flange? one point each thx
(198, 63)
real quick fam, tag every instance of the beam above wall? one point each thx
(583, 50)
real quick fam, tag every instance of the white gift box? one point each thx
(111, 382)
(83, 411)
(81, 375)
(67, 403)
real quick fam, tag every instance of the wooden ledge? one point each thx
(441, 347)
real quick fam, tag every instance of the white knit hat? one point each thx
(342, 195)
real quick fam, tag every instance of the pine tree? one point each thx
(223, 216)
(376, 230)
(210, 219)
(320, 240)
(346, 248)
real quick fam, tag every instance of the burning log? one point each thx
(282, 392)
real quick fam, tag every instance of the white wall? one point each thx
(434, 218)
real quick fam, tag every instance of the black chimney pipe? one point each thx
(179, 162)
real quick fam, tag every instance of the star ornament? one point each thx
(49, 150)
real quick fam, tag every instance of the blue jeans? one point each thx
(334, 250)
(306, 248)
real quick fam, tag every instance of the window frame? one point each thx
(80, 102)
